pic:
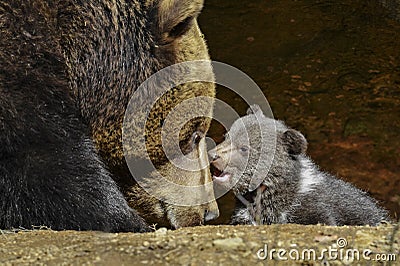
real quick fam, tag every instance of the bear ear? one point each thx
(254, 109)
(295, 142)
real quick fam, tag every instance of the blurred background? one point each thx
(329, 68)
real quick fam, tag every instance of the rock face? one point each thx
(393, 7)
(221, 245)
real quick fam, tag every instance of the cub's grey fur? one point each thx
(280, 184)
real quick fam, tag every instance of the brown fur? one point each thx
(104, 51)
(105, 111)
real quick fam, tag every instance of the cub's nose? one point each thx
(211, 215)
(212, 155)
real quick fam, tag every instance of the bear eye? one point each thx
(244, 149)
(181, 28)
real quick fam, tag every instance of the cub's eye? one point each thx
(244, 149)
(197, 137)
(181, 28)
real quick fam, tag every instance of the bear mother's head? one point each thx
(111, 48)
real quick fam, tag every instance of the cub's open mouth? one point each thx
(219, 175)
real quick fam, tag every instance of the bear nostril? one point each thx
(210, 215)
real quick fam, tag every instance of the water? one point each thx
(330, 69)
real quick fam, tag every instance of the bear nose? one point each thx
(210, 215)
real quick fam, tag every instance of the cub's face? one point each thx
(257, 150)
(246, 151)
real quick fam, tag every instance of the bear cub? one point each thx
(266, 165)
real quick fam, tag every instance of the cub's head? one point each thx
(257, 150)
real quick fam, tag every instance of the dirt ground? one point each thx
(205, 245)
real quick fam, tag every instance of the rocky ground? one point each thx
(214, 245)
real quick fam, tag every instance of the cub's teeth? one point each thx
(222, 178)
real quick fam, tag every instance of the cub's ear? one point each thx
(254, 109)
(295, 142)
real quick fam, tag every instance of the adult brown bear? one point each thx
(67, 71)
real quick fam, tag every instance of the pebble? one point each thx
(162, 231)
(250, 39)
(228, 243)
(254, 245)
